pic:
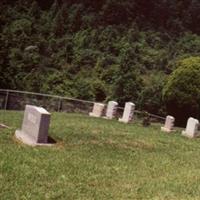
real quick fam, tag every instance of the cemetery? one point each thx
(92, 153)
(99, 100)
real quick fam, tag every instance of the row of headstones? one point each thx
(36, 122)
(190, 131)
(98, 110)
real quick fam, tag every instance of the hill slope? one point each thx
(110, 50)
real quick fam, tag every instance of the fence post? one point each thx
(59, 105)
(6, 100)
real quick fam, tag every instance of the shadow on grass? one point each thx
(50, 140)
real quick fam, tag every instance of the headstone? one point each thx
(191, 130)
(111, 109)
(98, 109)
(128, 112)
(169, 124)
(35, 126)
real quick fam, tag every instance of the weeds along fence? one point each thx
(13, 100)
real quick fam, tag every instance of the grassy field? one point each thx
(99, 159)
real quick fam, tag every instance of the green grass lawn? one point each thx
(99, 159)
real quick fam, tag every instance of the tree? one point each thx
(182, 91)
(151, 96)
(127, 87)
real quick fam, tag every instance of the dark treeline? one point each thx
(122, 50)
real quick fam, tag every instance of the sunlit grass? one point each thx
(99, 159)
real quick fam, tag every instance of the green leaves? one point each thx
(21, 26)
(99, 50)
(182, 91)
(127, 87)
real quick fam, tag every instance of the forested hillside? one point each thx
(122, 50)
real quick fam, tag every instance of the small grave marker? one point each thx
(111, 109)
(98, 109)
(169, 124)
(191, 130)
(128, 112)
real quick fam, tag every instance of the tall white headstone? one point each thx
(111, 109)
(35, 126)
(98, 109)
(169, 124)
(128, 112)
(191, 130)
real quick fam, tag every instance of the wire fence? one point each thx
(14, 100)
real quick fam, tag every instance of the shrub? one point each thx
(182, 91)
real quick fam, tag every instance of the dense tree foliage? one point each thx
(182, 91)
(97, 50)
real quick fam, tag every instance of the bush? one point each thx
(150, 98)
(182, 91)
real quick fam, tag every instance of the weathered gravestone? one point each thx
(35, 126)
(191, 130)
(111, 109)
(169, 124)
(128, 112)
(98, 109)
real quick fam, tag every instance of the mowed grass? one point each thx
(99, 159)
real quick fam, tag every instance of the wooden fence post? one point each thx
(6, 100)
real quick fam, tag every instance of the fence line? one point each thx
(156, 116)
(141, 112)
(46, 95)
(60, 98)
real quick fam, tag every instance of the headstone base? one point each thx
(184, 133)
(166, 130)
(91, 114)
(26, 139)
(108, 118)
(122, 120)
